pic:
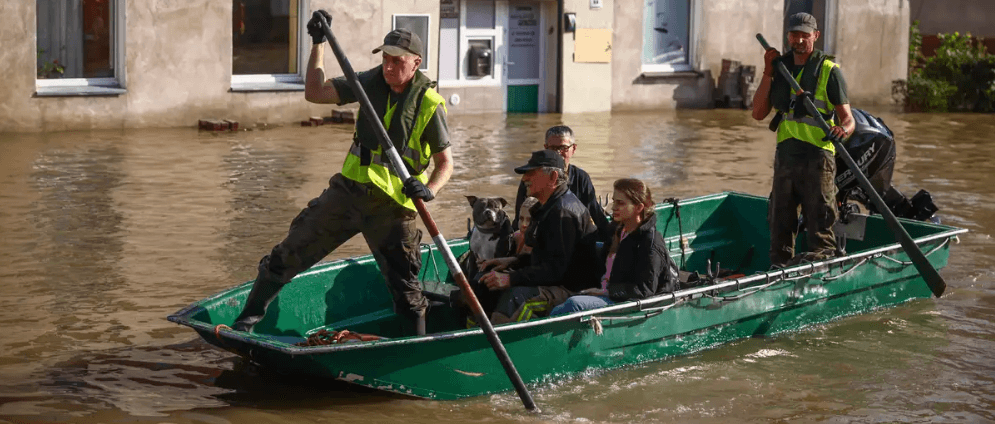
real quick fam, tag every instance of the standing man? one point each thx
(563, 260)
(561, 139)
(367, 197)
(804, 162)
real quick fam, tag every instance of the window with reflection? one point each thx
(666, 34)
(417, 24)
(76, 38)
(265, 36)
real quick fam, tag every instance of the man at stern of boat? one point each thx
(562, 235)
(804, 161)
(367, 196)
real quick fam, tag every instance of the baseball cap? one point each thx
(400, 42)
(803, 22)
(540, 159)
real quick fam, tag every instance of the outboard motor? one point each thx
(872, 146)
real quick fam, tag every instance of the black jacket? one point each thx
(643, 266)
(579, 182)
(563, 240)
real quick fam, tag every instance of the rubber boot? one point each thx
(420, 324)
(412, 323)
(263, 292)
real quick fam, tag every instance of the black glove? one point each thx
(831, 136)
(314, 27)
(414, 189)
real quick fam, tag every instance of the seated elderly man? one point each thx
(562, 236)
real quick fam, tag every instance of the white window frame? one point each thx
(280, 82)
(694, 22)
(116, 85)
(426, 43)
(828, 33)
(497, 36)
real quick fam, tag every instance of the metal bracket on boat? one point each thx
(434, 264)
(646, 313)
(842, 273)
(907, 263)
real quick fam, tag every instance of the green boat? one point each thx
(703, 234)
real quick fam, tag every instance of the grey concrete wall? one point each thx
(178, 66)
(872, 45)
(937, 17)
(587, 87)
(474, 99)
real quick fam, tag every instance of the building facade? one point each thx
(89, 64)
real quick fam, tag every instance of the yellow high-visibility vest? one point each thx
(806, 128)
(415, 154)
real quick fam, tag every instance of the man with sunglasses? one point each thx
(560, 138)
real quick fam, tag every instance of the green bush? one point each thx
(959, 78)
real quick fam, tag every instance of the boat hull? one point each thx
(459, 363)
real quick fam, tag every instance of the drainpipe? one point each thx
(559, 56)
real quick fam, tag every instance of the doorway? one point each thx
(524, 62)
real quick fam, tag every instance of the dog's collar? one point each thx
(495, 231)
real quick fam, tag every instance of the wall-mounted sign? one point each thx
(449, 9)
(593, 45)
(595, 4)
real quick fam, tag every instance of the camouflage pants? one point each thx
(343, 210)
(802, 178)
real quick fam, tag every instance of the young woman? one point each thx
(524, 219)
(637, 262)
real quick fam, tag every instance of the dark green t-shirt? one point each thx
(436, 133)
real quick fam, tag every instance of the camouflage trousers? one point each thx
(802, 178)
(344, 209)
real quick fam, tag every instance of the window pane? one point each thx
(480, 14)
(665, 34)
(75, 39)
(523, 52)
(417, 25)
(264, 34)
(448, 49)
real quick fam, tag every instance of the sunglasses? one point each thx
(561, 149)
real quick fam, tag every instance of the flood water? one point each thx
(104, 234)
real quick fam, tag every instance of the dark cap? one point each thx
(540, 159)
(802, 22)
(400, 42)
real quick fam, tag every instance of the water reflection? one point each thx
(260, 181)
(83, 233)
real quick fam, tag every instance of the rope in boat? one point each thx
(938, 247)
(648, 312)
(221, 340)
(840, 275)
(324, 337)
(755, 290)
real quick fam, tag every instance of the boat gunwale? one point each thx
(754, 280)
